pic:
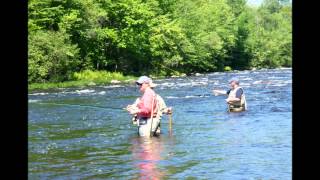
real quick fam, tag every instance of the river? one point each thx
(83, 133)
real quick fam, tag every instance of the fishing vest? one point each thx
(240, 105)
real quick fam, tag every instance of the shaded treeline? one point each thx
(155, 36)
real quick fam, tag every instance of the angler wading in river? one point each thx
(236, 100)
(148, 108)
(162, 109)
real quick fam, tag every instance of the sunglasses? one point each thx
(139, 84)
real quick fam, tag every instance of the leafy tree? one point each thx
(270, 37)
(159, 37)
(51, 57)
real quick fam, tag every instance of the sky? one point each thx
(257, 2)
(254, 2)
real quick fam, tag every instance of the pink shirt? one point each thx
(146, 102)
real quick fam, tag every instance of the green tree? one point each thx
(137, 37)
(51, 57)
(270, 38)
(210, 27)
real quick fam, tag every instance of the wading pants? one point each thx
(145, 125)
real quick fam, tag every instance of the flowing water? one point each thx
(84, 133)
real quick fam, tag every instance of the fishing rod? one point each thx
(170, 124)
(177, 72)
(80, 105)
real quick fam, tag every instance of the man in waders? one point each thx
(236, 99)
(161, 107)
(146, 108)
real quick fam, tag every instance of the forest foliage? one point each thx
(155, 37)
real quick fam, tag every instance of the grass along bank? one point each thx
(85, 78)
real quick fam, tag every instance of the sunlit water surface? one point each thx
(84, 133)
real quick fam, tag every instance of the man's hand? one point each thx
(128, 107)
(228, 100)
(215, 92)
(132, 109)
(169, 110)
(232, 100)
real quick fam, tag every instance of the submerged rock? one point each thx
(129, 80)
(115, 81)
(91, 84)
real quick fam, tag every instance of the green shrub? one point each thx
(227, 68)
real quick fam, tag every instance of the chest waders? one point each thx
(236, 109)
(239, 106)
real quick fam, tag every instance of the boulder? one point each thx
(115, 81)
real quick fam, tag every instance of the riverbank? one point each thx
(84, 79)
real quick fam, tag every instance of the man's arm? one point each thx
(219, 92)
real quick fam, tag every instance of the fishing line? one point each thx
(80, 105)
(177, 72)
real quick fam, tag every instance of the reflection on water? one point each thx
(146, 154)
